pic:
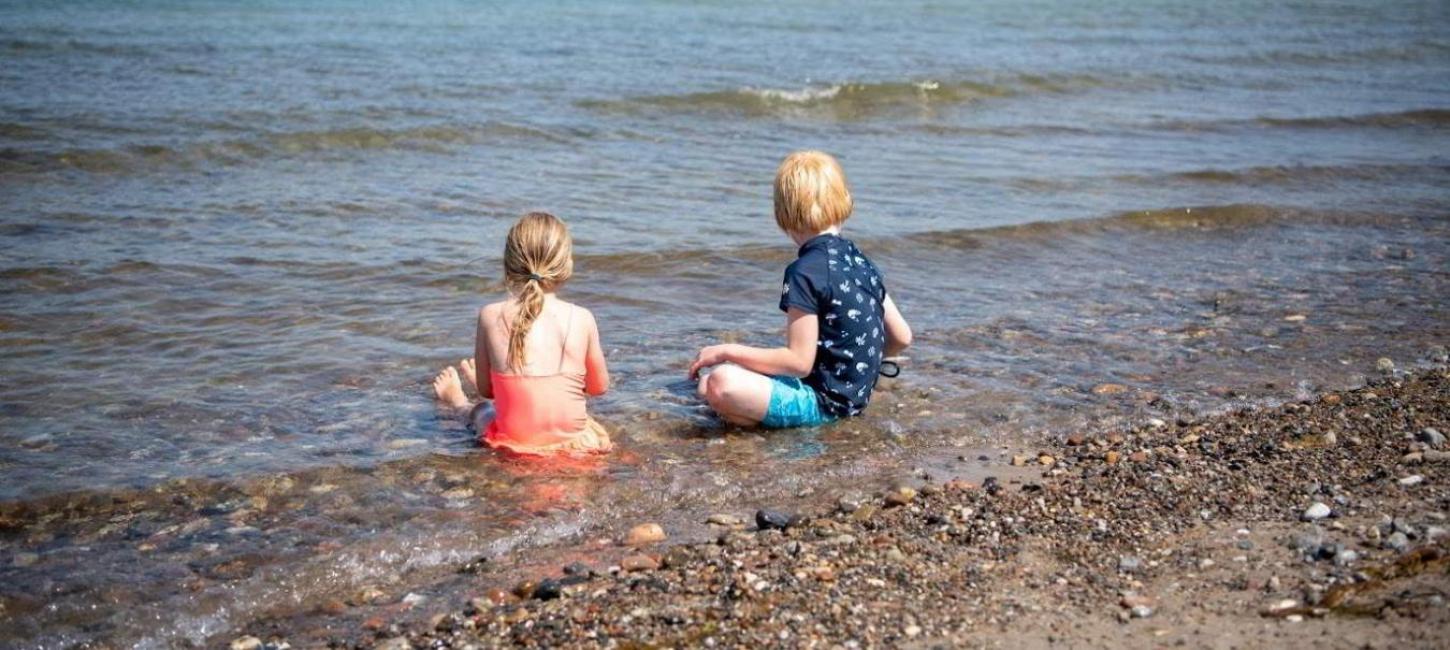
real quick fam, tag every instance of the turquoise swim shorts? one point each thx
(792, 404)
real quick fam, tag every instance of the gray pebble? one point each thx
(1432, 436)
(1142, 611)
(1129, 564)
(1398, 541)
(1316, 512)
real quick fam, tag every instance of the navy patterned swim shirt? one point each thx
(834, 281)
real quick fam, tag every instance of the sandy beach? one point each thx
(1318, 523)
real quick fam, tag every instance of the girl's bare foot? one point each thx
(469, 372)
(449, 391)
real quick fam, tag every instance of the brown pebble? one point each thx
(1138, 457)
(1019, 460)
(374, 624)
(645, 534)
(864, 513)
(1113, 457)
(525, 589)
(1115, 438)
(959, 485)
(1109, 389)
(1046, 460)
(1076, 439)
(900, 496)
(639, 562)
(498, 596)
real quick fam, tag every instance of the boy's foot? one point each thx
(469, 372)
(448, 390)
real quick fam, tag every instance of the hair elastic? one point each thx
(536, 277)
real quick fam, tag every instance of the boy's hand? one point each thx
(713, 355)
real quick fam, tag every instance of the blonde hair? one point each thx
(538, 257)
(811, 193)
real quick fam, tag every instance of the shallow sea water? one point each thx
(235, 243)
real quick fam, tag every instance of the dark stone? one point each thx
(577, 569)
(773, 520)
(991, 485)
(548, 589)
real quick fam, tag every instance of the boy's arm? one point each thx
(802, 330)
(482, 366)
(596, 372)
(898, 333)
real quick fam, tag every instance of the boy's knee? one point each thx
(722, 383)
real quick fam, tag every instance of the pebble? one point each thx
(766, 519)
(414, 600)
(644, 534)
(458, 493)
(1413, 479)
(900, 496)
(1432, 436)
(1384, 364)
(1113, 457)
(576, 569)
(1019, 460)
(1141, 611)
(548, 589)
(848, 503)
(1076, 439)
(912, 630)
(1316, 512)
(1345, 557)
(1109, 389)
(1129, 564)
(1398, 542)
(728, 521)
(638, 562)
(246, 643)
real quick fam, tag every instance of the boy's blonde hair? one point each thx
(811, 193)
(538, 256)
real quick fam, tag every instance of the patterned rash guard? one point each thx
(834, 281)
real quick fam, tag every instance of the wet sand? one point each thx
(1209, 533)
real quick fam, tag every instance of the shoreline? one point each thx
(1206, 533)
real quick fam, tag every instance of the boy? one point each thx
(839, 320)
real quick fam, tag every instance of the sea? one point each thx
(237, 239)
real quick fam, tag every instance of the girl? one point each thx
(537, 356)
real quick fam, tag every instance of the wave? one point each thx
(853, 100)
(435, 139)
(1407, 53)
(1295, 174)
(1428, 117)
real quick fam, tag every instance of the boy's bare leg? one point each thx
(739, 396)
(469, 373)
(449, 391)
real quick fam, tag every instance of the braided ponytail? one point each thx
(538, 257)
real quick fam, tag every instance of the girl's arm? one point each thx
(482, 364)
(596, 372)
(802, 331)
(898, 333)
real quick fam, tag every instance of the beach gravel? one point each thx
(1194, 537)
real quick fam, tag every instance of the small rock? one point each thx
(895, 555)
(1412, 458)
(1413, 479)
(1131, 600)
(900, 496)
(1432, 436)
(1113, 457)
(1129, 564)
(773, 520)
(333, 608)
(458, 493)
(1316, 512)
(638, 562)
(1076, 439)
(848, 504)
(576, 569)
(1046, 460)
(1141, 611)
(865, 512)
(1384, 364)
(1345, 557)
(478, 605)
(246, 643)
(1138, 457)
(525, 589)
(1282, 606)
(1019, 460)
(548, 589)
(728, 521)
(1398, 542)
(414, 600)
(644, 534)
(1109, 389)
(912, 630)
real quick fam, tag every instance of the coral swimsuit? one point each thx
(543, 414)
